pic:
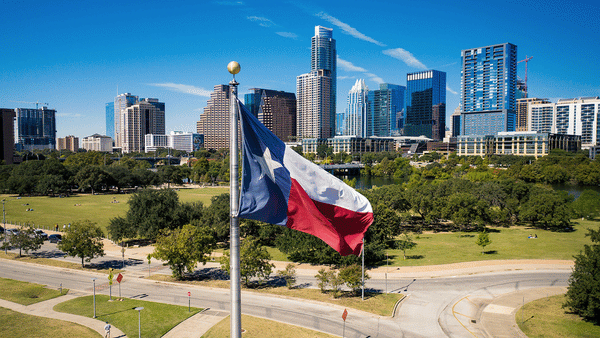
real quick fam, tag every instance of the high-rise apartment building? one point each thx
(36, 128)
(523, 112)
(580, 116)
(488, 89)
(275, 109)
(97, 142)
(214, 122)
(316, 91)
(110, 119)
(122, 101)
(144, 117)
(355, 121)
(426, 104)
(7, 135)
(70, 143)
(177, 140)
(386, 110)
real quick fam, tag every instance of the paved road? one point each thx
(435, 307)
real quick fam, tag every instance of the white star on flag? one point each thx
(268, 165)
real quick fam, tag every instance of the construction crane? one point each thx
(527, 58)
(37, 104)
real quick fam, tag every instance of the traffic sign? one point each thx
(119, 278)
(189, 294)
(345, 314)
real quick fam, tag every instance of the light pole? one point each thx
(4, 222)
(139, 310)
(94, 280)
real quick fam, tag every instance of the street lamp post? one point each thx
(139, 310)
(4, 222)
(94, 280)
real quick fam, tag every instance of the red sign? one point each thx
(345, 314)
(119, 278)
(189, 294)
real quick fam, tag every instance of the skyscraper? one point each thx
(110, 119)
(7, 135)
(139, 119)
(522, 120)
(316, 91)
(36, 128)
(275, 109)
(214, 122)
(386, 106)
(426, 104)
(122, 101)
(488, 89)
(70, 143)
(355, 122)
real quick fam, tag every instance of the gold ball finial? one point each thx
(233, 67)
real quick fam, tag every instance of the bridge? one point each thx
(349, 169)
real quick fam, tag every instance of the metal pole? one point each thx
(236, 301)
(94, 280)
(4, 221)
(387, 267)
(363, 270)
(139, 310)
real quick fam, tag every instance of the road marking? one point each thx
(454, 313)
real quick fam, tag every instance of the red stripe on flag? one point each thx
(340, 228)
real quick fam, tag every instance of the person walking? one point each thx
(107, 329)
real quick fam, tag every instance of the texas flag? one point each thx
(279, 186)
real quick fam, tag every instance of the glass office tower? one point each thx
(110, 119)
(488, 89)
(386, 106)
(36, 128)
(426, 104)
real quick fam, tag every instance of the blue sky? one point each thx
(75, 54)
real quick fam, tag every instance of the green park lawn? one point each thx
(48, 211)
(16, 324)
(255, 327)
(545, 318)
(156, 318)
(26, 293)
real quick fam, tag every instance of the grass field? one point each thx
(255, 327)
(16, 324)
(26, 293)
(48, 211)
(545, 318)
(156, 318)
(376, 303)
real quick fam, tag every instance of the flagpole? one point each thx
(363, 270)
(234, 240)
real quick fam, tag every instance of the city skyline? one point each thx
(78, 57)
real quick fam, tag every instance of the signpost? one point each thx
(119, 279)
(110, 282)
(189, 301)
(344, 315)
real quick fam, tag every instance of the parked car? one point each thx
(55, 238)
(12, 232)
(41, 234)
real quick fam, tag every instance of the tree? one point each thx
(406, 243)
(583, 294)
(322, 277)
(254, 261)
(289, 275)
(183, 248)
(92, 177)
(83, 240)
(587, 205)
(483, 240)
(26, 240)
(352, 276)
(547, 208)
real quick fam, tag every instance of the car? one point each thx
(41, 234)
(55, 238)
(12, 232)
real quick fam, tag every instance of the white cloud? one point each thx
(348, 66)
(375, 78)
(347, 29)
(262, 21)
(68, 115)
(450, 90)
(405, 56)
(346, 77)
(287, 35)
(182, 88)
(229, 3)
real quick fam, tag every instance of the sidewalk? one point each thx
(45, 309)
(498, 318)
(197, 325)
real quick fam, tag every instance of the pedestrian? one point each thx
(56, 227)
(107, 329)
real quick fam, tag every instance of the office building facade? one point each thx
(36, 128)
(316, 91)
(577, 116)
(144, 117)
(110, 119)
(122, 102)
(214, 122)
(177, 140)
(7, 135)
(426, 104)
(97, 142)
(70, 143)
(386, 110)
(529, 143)
(356, 115)
(488, 89)
(275, 109)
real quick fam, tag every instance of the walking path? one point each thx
(46, 309)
